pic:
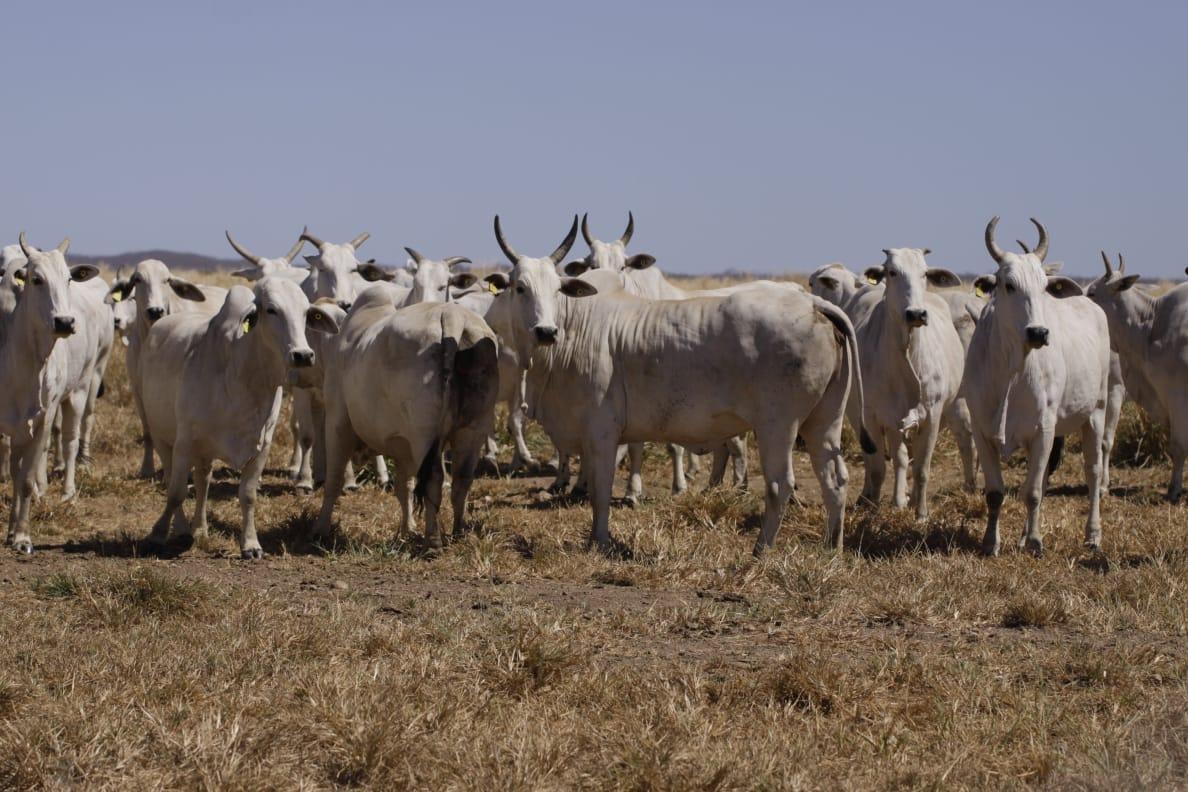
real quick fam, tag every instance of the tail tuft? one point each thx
(868, 444)
(1056, 455)
(429, 465)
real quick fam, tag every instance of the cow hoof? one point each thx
(1034, 546)
(24, 547)
(304, 488)
(352, 487)
(990, 550)
(69, 496)
(251, 554)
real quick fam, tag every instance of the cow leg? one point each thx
(340, 441)
(679, 483)
(249, 483)
(959, 422)
(5, 454)
(350, 483)
(515, 427)
(1115, 396)
(382, 479)
(775, 459)
(995, 487)
(1033, 491)
(297, 457)
(718, 467)
(202, 471)
(72, 414)
(923, 445)
(466, 445)
(900, 462)
(561, 481)
(1092, 444)
(177, 466)
(875, 470)
(598, 463)
(146, 462)
(1178, 437)
(431, 497)
(635, 478)
(88, 418)
(309, 452)
(30, 456)
(403, 493)
(491, 455)
(59, 455)
(737, 446)
(581, 486)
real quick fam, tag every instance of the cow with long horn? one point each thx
(1037, 370)
(262, 266)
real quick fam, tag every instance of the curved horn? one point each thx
(1023, 245)
(586, 231)
(1041, 249)
(241, 250)
(64, 245)
(1121, 265)
(415, 256)
(358, 241)
(311, 239)
(26, 248)
(292, 254)
(1106, 260)
(455, 260)
(563, 249)
(623, 240)
(507, 249)
(996, 252)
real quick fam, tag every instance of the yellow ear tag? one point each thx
(19, 280)
(491, 288)
(116, 296)
(872, 281)
(978, 290)
(247, 326)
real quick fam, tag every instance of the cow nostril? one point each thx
(1037, 336)
(63, 325)
(154, 313)
(344, 305)
(545, 335)
(303, 358)
(916, 316)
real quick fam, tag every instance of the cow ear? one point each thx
(251, 273)
(320, 320)
(463, 280)
(640, 261)
(984, 284)
(572, 287)
(874, 275)
(942, 278)
(186, 290)
(249, 319)
(19, 275)
(497, 282)
(575, 268)
(120, 291)
(1061, 286)
(81, 273)
(1126, 282)
(315, 262)
(372, 272)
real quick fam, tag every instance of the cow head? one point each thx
(906, 276)
(269, 266)
(534, 286)
(46, 280)
(1021, 288)
(609, 255)
(336, 269)
(278, 316)
(11, 260)
(834, 283)
(123, 311)
(151, 284)
(432, 280)
(1114, 291)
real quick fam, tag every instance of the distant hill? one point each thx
(172, 258)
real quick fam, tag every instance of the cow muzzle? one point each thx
(63, 326)
(153, 314)
(1037, 336)
(916, 317)
(345, 305)
(301, 358)
(545, 335)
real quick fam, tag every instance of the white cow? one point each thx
(909, 346)
(47, 363)
(859, 297)
(158, 293)
(1037, 369)
(1150, 336)
(212, 390)
(11, 259)
(123, 312)
(408, 382)
(622, 369)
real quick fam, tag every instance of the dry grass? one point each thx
(517, 659)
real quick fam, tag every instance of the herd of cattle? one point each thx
(605, 353)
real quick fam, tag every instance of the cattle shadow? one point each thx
(887, 533)
(125, 545)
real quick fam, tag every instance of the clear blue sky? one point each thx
(764, 136)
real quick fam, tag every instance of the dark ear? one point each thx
(372, 272)
(1127, 282)
(463, 280)
(575, 268)
(313, 261)
(828, 281)
(572, 287)
(118, 292)
(251, 273)
(984, 284)
(19, 275)
(186, 290)
(874, 274)
(640, 261)
(942, 278)
(81, 273)
(497, 281)
(1061, 286)
(249, 319)
(320, 320)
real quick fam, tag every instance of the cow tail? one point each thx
(842, 322)
(452, 327)
(429, 465)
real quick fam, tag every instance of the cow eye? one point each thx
(271, 311)
(519, 290)
(891, 273)
(37, 280)
(1010, 289)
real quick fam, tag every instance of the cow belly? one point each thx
(686, 421)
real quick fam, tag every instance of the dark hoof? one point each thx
(989, 550)
(24, 547)
(350, 488)
(252, 554)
